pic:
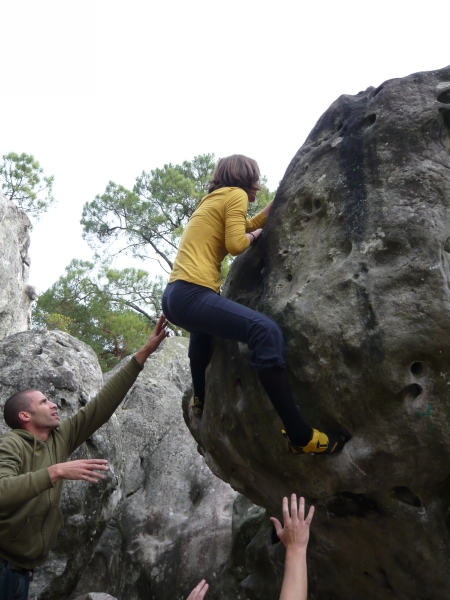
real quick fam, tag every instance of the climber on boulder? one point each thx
(33, 465)
(191, 300)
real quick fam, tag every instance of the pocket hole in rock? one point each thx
(444, 97)
(348, 504)
(289, 277)
(405, 495)
(445, 112)
(308, 207)
(410, 392)
(417, 368)
(370, 119)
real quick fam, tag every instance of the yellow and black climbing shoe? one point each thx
(196, 408)
(321, 443)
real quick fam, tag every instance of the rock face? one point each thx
(354, 264)
(14, 269)
(173, 524)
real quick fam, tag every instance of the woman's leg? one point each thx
(199, 356)
(199, 343)
(199, 309)
(276, 385)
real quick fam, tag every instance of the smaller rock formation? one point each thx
(16, 296)
(173, 524)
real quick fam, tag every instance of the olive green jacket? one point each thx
(30, 516)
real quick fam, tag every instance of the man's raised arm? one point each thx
(295, 536)
(100, 409)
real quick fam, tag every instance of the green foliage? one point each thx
(149, 220)
(103, 309)
(24, 184)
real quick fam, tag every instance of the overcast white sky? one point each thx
(100, 90)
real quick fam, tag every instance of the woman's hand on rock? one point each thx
(254, 235)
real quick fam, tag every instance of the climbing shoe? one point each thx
(324, 443)
(196, 408)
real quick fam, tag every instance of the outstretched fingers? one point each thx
(199, 591)
(278, 526)
(295, 529)
(161, 325)
(309, 516)
(285, 508)
(295, 513)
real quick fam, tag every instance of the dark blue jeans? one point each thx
(205, 314)
(13, 584)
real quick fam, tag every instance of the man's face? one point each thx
(43, 413)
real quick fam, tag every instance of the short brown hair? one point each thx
(236, 170)
(15, 404)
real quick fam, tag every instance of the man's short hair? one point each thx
(14, 405)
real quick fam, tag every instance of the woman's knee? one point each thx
(269, 328)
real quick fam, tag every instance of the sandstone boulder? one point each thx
(354, 264)
(15, 297)
(173, 524)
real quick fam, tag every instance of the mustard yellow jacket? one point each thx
(216, 228)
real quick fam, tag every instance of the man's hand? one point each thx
(158, 335)
(199, 591)
(295, 533)
(87, 470)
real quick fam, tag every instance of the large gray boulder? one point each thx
(354, 264)
(16, 296)
(66, 371)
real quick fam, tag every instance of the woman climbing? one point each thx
(191, 300)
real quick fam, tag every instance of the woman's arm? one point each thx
(266, 210)
(259, 220)
(295, 536)
(253, 235)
